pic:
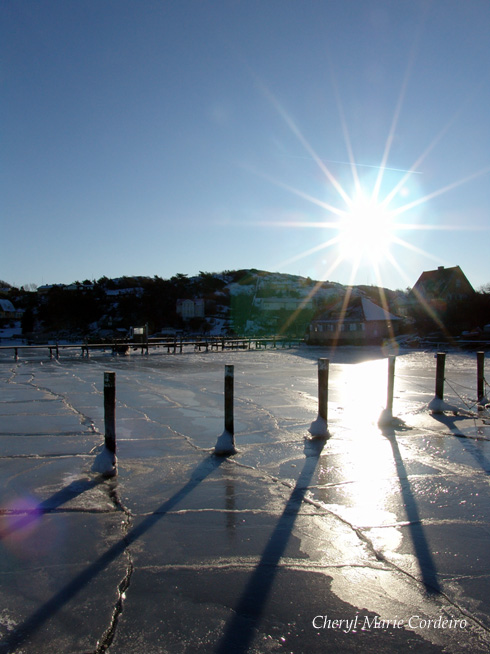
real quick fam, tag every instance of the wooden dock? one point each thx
(171, 345)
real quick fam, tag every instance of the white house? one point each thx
(191, 308)
(356, 321)
(7, 310)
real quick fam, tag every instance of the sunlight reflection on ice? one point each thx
(369, 466)
(363, 392)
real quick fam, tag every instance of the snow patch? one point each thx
(386, 418)
(436, 405)
(319, 428)
(225, 444)
(105, 463)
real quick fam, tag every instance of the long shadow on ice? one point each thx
(240, 630)
(26, 512)
(68, 592)
(470, 443)
(416, 530)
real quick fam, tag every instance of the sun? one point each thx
(363, 218)
(366, 230)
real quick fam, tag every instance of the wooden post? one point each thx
(437, 405)
(229, 392)
(319, 427)
(110, 411)
(481, 377)
(226, 442)
(323, 368)
(386, 418)
(105, 462)
(391, 382)
(441, 363)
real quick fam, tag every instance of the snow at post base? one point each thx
(105, 463)
(225, 444)
(319, 428)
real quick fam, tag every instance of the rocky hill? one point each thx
(241, 302)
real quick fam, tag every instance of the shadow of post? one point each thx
(426, 563)
(470, 445)
(27, 513)
(240, 630)
(50, 608)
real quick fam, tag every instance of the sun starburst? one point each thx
(364, 217)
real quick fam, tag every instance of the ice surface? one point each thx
(239, 554)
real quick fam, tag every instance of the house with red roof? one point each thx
(438, 288)
(354, 321)
(446, 284)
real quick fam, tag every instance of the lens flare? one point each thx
(19, 522)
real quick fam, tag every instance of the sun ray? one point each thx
(424, 304)
(440, 191)
(432, 144)
(391, 135)
(343, 310)
(310, 295)
(398, 108)
(320, 203)
(414, 248)
(411, 227)
(383, 298)
(417, 163)
(345, 131)
(317, 248)
(296, 131)
(314, 224)
(333, 266)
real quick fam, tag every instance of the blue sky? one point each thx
(161, 137)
